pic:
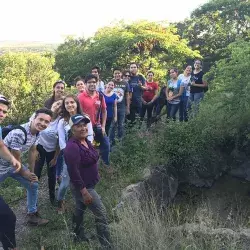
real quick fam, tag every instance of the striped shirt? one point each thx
(14, 140)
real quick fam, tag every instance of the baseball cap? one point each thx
(75, 119)
(4, 100)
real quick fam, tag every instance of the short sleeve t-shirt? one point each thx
(198, 79)
(174, 88)
(14, 140)
(121, 89)
(136, 89)
(91, 105)
(186, 82)
(48, 138)
(110, 100)
(149, 94)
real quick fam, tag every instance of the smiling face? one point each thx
(59, 89)
(188, 70)
(150, 76)
(3, 111)
(110, 86)
(91, 85)
(70, 105)
(80, 85)
(117, 75)
(41, 122)
(133, 69)
(197, 64)
(173, 74)
(56, 106)
(80, 130)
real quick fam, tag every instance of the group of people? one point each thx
(67, 131)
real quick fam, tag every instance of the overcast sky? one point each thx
(53, 20)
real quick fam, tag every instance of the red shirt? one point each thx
(149, 94)
(91, 104)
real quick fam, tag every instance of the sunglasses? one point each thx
(127, 75)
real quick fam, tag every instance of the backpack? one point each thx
(7, 129)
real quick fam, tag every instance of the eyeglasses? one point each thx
(127, 75)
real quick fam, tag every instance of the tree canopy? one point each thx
(26, 79)
(214, 25)
(155, 46)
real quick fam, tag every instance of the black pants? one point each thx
(7, 226)
(149, 109)
(51, 171)
(133, 111)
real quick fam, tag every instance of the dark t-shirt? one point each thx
(197, 78)
(121, 89)
(136, 89)
(48, 103)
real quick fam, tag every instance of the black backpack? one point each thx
(7, 129)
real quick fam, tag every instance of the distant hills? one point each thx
(17, 46)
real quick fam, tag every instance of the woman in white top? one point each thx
(185, 79)
(70, 106)
(48, 149)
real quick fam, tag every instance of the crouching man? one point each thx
(18, 142)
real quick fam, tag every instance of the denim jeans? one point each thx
(172, 110)
(108, 126)
(119, 125)
(64, 183)
(99, 211)
(7, 226)
(104, 145)
(195, 99)
(32, 188)
(183, 109)
(59, 164)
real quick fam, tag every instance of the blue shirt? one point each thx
(110, 100)
(1, 136)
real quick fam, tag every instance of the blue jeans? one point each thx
(64, 183)
(195, 99)
(183, 109)
(32, 188)
(59, 164)
(104, 144)
(172, 110)
(119, 125)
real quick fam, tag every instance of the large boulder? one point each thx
(159, 184)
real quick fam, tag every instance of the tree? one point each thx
(69, 58)
(153, 45)
(26, 79)
(214, 25)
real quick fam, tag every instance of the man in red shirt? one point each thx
(148, 97)
(93, 104)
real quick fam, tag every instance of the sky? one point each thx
(53, 20)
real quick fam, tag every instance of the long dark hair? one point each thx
(65, 114)
(54, 85)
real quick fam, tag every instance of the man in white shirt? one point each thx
(18, 142)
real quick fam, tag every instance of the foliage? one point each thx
(214, 25)
(154, 45)
(26, 79)
(69, 61)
